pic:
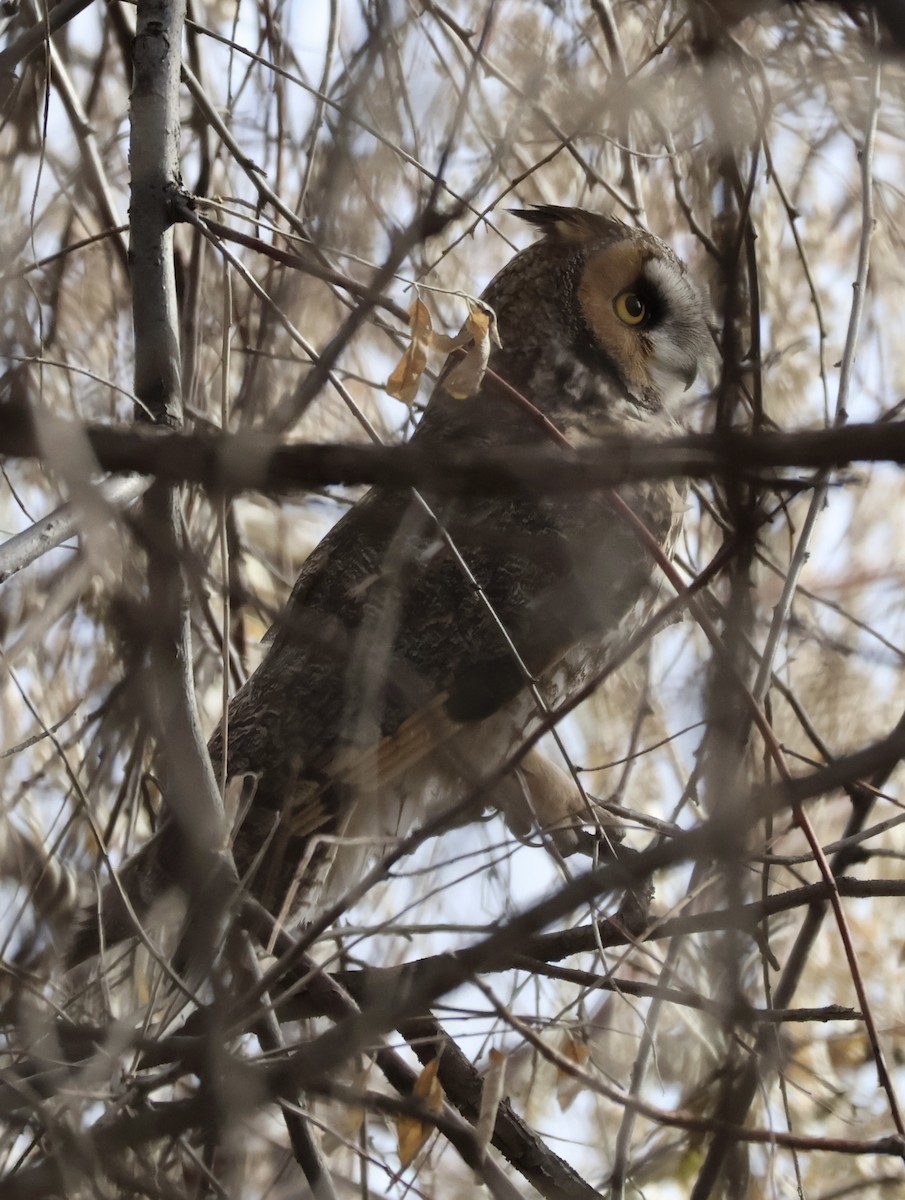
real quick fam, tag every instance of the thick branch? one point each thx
(154, 156)
(36, 35)
(243, 461)
(189, 787)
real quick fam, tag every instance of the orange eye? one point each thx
(630, 308)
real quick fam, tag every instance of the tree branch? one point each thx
(246, 461)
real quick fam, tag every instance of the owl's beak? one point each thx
(689, 375)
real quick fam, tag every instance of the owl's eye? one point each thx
(630, 308)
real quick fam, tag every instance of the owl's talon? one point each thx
(595, 843)
(541, 796)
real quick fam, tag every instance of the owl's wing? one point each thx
(409, 624)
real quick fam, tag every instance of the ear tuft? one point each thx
(570, 226)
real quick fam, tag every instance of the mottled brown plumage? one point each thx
(388, 688)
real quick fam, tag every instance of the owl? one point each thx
(425, 634)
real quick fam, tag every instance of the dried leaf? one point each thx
(477, 334)
(467, 375)
(491, 1095)
(577, 1053)
(442, 341)
(348, 1119)
(420, 323)
(411, 1133)
(403, 382)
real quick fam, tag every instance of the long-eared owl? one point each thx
(400, 673)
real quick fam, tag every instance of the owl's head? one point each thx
(626, 305)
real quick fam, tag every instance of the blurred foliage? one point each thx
(709, 124)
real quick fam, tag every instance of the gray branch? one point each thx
(154, 155)
(190, 789)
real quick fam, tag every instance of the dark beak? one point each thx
(690, 375)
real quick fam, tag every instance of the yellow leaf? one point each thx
(411, 1133)
(442, 341)
(420, 323)
(574, 1052)
(406, 375)
(403, 383)
(467, 375)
